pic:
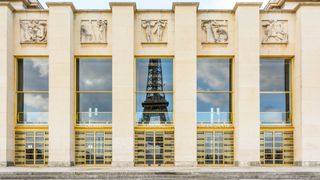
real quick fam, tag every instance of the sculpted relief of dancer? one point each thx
(154, 29)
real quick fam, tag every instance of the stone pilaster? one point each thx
(6, 85)
(185, 83)
(61, 84)
(122, 84)
(247, 84)
(307, 85)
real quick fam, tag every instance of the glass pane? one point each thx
(94, 108)
(94, 74)
(154, 74)
(214, 108)
(214, 75)
(275, 108)
(275, 75)
(154, 108)
(33, 74)
(154, 102)
(32, 108)
(154, 118)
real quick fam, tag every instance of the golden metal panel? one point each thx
(93, 147)
(154, 147)
(276, 147)
(215, 147)
(31, 148)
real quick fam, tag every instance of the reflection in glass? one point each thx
(94, 86)
(275, 95)
(94, 108)
(214, 74)
(94, 74)
(32, 108)
(154, 74)
(275, 75)
(213, 108)
(154, 80)
(32, 87)
(32, 74)
(275, 108)
(214, 86)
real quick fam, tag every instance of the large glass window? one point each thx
(214, 91)
(275, 91)
(154, 91)
(94, 91)
(32, 91)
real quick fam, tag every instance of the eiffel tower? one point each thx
(155, 101)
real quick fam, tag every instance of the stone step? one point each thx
(162, 175)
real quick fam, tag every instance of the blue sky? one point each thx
(153, 4)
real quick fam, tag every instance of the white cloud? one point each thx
(42, 67)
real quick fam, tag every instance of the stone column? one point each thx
(247, 84)
(123, 83)
(6, 85)
(61, 84)
(185, 83)
(307, 85)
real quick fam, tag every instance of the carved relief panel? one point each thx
(154, 30)
(274, 31)
(93, 31)
(214, 31)
(33, 31)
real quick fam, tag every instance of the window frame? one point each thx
(17, 92)
(290, 93)
(76, 91)
(136, 92)
(231, 92)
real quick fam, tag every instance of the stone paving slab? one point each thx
(159, 169)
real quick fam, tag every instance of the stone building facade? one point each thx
(180, 87)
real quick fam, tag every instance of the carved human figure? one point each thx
(33, 31)
(93, 31)
(86, 36)
(214, 31)
(102, 26)
(148, 25)
(208, 29)
(274, 31)
(159, 28)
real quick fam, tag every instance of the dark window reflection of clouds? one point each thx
(213, 75)
(102, 102)
(33, 74)
(274, 102)
(206, 101)
(28, 102)
(95, 74)
(142, 74)
(274, 75)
